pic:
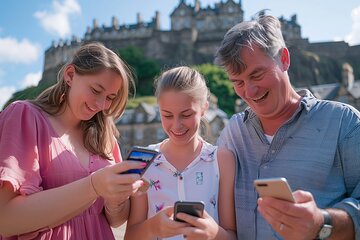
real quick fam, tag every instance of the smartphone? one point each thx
(195, 209)
(141, 154)
(274, 187)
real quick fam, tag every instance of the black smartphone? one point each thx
(141, 154)
(274, 187)
(195, 209)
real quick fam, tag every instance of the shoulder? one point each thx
(20, 110)
(336, 111)
(226, 158)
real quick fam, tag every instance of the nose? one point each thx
(178, 123)
(251, 90)
(101, 103)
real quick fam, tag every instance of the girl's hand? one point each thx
(115, 187)
(163, 225)
(202, 228)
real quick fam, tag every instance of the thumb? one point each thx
(127, 165)
(303, 196)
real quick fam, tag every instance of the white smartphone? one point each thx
(274, 187)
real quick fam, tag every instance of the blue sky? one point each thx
(27, 28)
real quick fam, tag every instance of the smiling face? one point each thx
(264, 84)
(91, 93)
(180, 116)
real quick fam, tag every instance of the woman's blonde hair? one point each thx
(100, 130)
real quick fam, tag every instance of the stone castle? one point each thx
(193, 38)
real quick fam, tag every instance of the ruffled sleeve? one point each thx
(19, 155)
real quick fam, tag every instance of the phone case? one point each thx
(192, 208)
(142, 154)
(274, 187)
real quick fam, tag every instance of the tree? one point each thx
(220, 86)
(145, 69)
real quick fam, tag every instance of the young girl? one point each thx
(58, 154)
(188, 168)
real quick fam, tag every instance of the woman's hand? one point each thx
(115, 187)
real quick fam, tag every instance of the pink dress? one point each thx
(33, 158)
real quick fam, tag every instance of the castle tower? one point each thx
(95, 24)
(138, 18)
(115, 22)
(197, 5)
(347, 76)
(157, 20)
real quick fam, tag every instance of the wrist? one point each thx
(326, 226)
(94, 191)
(112, 211)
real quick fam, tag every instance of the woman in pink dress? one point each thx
(59, 158)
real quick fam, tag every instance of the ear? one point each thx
(69, 73)
(204, 108)
(285, 59)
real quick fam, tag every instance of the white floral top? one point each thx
(198, 182)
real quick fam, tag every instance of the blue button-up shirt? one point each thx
(317, 150)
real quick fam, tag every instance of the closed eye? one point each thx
(257, 76)
(94, 91)
(238, 83)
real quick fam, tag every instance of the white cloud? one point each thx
(353, 38)
(57, 21)
(14, 51)
(5, 94)
(31, 79)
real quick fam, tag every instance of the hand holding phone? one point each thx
(141, 154)
(195, 209)
(274, 187)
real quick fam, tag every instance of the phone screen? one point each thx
(143, 155)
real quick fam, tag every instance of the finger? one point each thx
(194, 221)
(193, 233)
(128, 164)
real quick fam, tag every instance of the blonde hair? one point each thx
(100, 130)
(183, 79)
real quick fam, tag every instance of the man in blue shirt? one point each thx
(313, 143)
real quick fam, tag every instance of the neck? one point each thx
(180, 156)
(272, 124)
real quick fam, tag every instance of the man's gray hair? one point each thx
(264, 32)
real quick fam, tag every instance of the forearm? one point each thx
(141, 230)
(343, 226)
(48, 208)
(225, 234)
(117, 216)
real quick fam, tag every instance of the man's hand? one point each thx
(300, 220)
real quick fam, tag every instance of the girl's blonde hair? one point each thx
(183, 79)
(100, 130)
